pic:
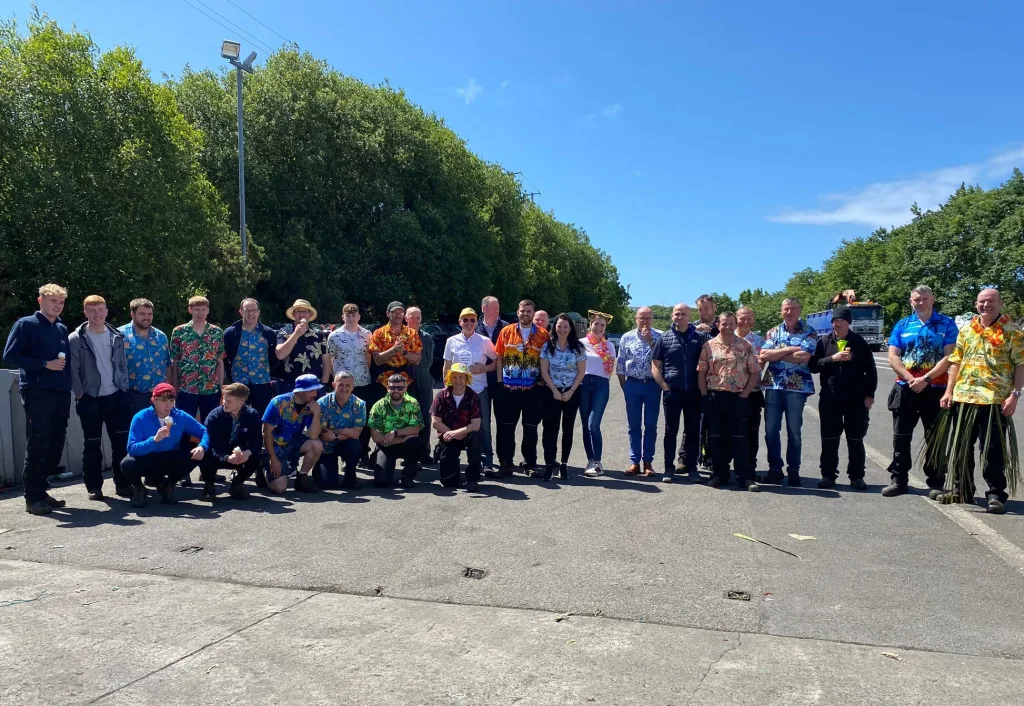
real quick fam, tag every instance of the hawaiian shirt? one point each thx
(333, 417)
(386, 419)
(307, 357)
(197, 356)
(456, 416)
(251, 364)
(348, 352)
(921, 344)
(635, 355)
(757, 342)
(384, 339)
(288, 419)
(728, 367)
(790, 377)
(562, 364)
(987, 357)
(520, 360)
(148, 358)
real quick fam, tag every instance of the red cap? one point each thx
(164, 390)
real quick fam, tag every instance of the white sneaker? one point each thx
(593, 470)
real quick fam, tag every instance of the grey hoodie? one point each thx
(85, 376)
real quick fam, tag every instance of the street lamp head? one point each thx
(230, 50)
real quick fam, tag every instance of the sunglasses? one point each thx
(468, 320)
(396, 387)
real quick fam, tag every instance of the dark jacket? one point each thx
(225, 436)
(848, 381)
(233, 337)
(32, 343)
(679, 354)
(492, 377)
(85, 375)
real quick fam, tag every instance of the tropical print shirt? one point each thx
(251, 365)
(288, 419)
(987, 357)
(384, 339)
(757, 343)
(452, 415)
(562, 364)
(635, 355)
(728, 367)
(148, 358)
(790, 377)
(196, 356)
(921, 344)
(520, 360)
(348, 352)
(386, 419)
(333, 417)
(307, 357)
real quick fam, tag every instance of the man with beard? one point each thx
(147, 353)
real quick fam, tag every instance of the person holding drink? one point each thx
(396, 348)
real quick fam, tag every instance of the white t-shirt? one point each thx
(103, 344)
(475, 349)
(457, 398)
(595, 366)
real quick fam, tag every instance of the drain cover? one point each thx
(470, 573)
(737, 595)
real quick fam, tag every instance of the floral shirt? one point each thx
(987, 357)
(386, 419)
(384, 339)
(196, 356)
(728, 367)
(520, 360)
(921, 345)
(307, 357)
(635, 355)
(790, 377)
(148, 358)
(251, 364)
(562, 364)
(288, 419)
(757, 342)
(333, 417)
(456, 416)
(348, 352)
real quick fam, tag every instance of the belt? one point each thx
(640, 380)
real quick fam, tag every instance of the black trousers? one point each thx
(727, 422)
(907, 408)
(209, 466)
(514, 404)
(260, 396)
(409, 451)
(369, 394)
(46, 425)
(840, 417)
(346, 452)
(687, 404)
(157, 468)
(558, 413)
(115, 413)
(993, 468)
(140, 400)
(754, 426)
(448, 463)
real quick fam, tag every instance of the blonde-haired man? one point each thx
(38, 347)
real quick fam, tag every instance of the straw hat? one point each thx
(458, 368)
(300, 304)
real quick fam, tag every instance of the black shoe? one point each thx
(894, 489)
(186, 482)
(261, 478)
(53, 502)
(472, 487)
(752, 486)
(549, 470)
(933, 494)
(209, 492)
(563, 471)
(668, 477)
(140, 497)
(504, 471)
(716, 482)
(826, 483)
(39, 507)
(349, 484)
(532, 471)
(858, 484)
(995, 507)
(97, 494)
(238, 491)
(304, 484)
(772, 478)
(125, 491)
(167, 493)
(793, 480)
(408, 483)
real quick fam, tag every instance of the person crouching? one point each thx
(236, 442)
(456, 414)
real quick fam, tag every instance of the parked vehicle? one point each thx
(868, 318)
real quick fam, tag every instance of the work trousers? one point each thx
(754, 426)
(687, 404)
(840, 417)
(369, 394)
(158, 468)
(140, 400)
(113, 412)
(448, 463)
(990, 443)
(46, 425)
(527, 404)
(409, 451)
(486, 447)
(907, 408)
(347, 453)
(559, 414)
(259, 397)
(727, 421)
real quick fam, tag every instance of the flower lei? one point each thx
(603, 352)
(994, 334)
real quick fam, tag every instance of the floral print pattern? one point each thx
(383, 339)
(520, 360)
(728, 366)
(987, 356)
(148, 358)
(790, 377)
(307, 357)
(196, 356)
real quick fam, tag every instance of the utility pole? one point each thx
(231, 50)
(532, 194)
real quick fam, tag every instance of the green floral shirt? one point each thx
(386, 419)
(197, 356)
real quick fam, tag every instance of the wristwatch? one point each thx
(1016, 393)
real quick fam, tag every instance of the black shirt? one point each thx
(33, 342)
(846, 381)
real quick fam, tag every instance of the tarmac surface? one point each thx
(609, 590)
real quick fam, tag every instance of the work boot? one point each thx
(304, 484)
(826, 483)
(772, 478)
(96, 494)
(53, 502)
(261, 478)
(563, 471)
(408, 483)
(716, 482)
(793, 480)
(140, 497)
(504, 471)
(38, 507)
(209, 492)
(125, 491)
(237, 490)
(894, 489)
(186, 482)
(549, 469)
(995, 506)
(858, 484)
(472, 487)
(167, 493)
(695, 477)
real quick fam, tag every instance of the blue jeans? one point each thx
(776, 404)
(593, 400)
(643, 402)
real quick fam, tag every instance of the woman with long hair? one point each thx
(563, 363)
(595, 388)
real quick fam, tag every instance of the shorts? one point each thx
(290, 455)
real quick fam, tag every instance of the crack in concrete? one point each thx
(727, 650)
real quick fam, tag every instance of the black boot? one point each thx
(304, 484)
(563, 471)
(549, 470)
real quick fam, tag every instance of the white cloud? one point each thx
(612, 111)
(887, 203)
(471, 91)
(502, 86)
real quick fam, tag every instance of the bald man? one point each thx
(643, 396)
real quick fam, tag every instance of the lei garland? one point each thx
(603, 351)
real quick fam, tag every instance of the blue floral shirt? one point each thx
(333, 417)
(288, 419)
(562, 364)
(756, 341)
(148, 358)
(251, 365)
(790, 377)
(635, 355)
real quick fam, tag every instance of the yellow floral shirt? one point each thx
(987, 357)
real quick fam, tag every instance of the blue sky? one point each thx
(705, 146)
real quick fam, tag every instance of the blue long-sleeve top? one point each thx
(145, 425)
(33, 341)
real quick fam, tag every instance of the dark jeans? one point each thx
(686, 403)
(259, 397)
(198, 406)
(558, 413)
(512, 405)
(46, 424)
(449, 452)
(424, 394)
(754, 426)
(727, 435)
(409, 451)
(347, 451)
(839, 417)
(209, 466)
(907, 408)
(114, 412)
(140, 400)
(993, 468)
(368, 394)
(158, 468)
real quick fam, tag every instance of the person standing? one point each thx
(476, 352)
(641, 392)
(342, 420)
(349, 347)
(235, 430)
(563, 364)
(707, 312)
(727, 373)
(302, 345)
(745, 330)
(99, 381)
(489, 326)
(38, 346)
(197, 355)
(291, 433)
(986, 377)
(396, 349)
(249, 347)
(787, 385)
(542, 320)
(424, 387)
(146, 350)
(919, 349)
(456, 414)
(595, 389)
(848, 380)
(395, 423)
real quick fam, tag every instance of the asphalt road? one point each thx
(371, 574)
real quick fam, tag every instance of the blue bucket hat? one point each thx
(307, 383)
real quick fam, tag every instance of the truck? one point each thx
(868, 318)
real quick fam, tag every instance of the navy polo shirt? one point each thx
(679, 354)
(33, 342)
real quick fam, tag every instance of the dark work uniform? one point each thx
(226, 433)
(679, 354)
(844, 386)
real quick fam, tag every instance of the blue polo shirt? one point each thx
(33, 342)
(921, 344)
(679, 354)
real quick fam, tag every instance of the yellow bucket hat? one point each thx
(468, 311)
(301, 304)
(458, 368)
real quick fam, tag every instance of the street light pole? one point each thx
(231, 51)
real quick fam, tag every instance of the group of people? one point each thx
(250, 400)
